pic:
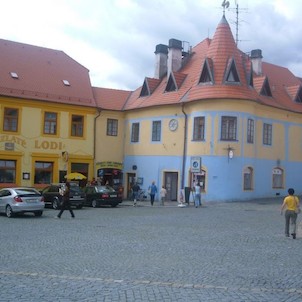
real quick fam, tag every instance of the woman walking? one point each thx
(291, 203)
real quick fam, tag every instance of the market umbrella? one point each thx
(75, 176)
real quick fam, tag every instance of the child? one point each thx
(163, 193)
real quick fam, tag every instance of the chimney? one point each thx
(256, 57)
(175, 55)
(161, 58)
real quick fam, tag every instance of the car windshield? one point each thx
(100, 189)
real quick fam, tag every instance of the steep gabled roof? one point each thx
(217, 69)
(43, 74)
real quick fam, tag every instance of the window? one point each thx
(199, 178)
(77, 125)
(248, 178)
(156, 131)
(198, 131)
(7, 171)
(43, 172)
(171, 86)
(50, 123)
(206, 75)
(267, 134)
(277, 178)
(228, 128)
(112, 126)
(232, 74)
(10, 121)
(135, 133)
(250, 131)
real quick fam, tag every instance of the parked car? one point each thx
(97, 196)
(21, 200)
(53, 198)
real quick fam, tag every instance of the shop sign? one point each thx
(109, 165)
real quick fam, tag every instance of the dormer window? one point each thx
(266, 90)
(206, 74)
(232, 74)
(66, 83)
(14, 75)
(145, 91)
(171, 86)
(299, 96)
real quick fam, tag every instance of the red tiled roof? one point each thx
(41, 72)
(220, 51)
(110, 99)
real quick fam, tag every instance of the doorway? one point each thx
(130, 181)
(171, 181)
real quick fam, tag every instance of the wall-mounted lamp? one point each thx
(230, 152)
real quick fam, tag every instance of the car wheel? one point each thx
(80, 206)
(9, 212)
(55, 204)
(38, 213)
(94, 203)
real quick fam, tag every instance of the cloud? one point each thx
(116, 39)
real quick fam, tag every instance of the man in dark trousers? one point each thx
(135, 191)
(65, 202)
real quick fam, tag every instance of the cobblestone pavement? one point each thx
(220, 252)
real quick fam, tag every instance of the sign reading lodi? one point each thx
(10, 141)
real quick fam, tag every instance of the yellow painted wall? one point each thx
(30, 144)
(109, 148)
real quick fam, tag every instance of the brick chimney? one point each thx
(161, 60)
(174, 55)
(256, 57)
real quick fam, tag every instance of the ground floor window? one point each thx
(277, 178)
(199, 178)
(7, 171)
(43, 172)
(248, 178)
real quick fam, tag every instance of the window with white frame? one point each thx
(250, 131)
(135, 133)
(278, 178)
(267, 134)
(156, 131)
(198, 130)
(228, 128)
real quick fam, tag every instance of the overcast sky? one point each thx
(116, 39)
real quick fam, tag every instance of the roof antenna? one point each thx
(225, 4)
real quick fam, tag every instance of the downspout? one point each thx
(94, 133)
(184, 155)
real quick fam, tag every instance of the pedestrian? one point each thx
(197, 195)
(65, 201)
(152, 191)
(135, 191)
(292, 205)
(163, 193)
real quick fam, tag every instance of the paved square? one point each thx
(221, 252)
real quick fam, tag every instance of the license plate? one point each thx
(31, 200)
(76, 197)
(114, 195)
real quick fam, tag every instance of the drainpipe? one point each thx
(94, 133)
(185, 147)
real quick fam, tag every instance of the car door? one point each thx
(3, 194)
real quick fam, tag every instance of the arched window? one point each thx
(248, 176)
(277, 178)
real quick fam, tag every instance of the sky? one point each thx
(116, 39)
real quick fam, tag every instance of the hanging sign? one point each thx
(195, 164)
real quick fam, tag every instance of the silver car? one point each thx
(21, 200)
